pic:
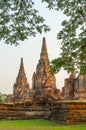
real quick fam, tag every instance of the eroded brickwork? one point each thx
(43, 81)
(74, 87)
(21, 86)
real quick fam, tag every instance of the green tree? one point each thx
(72, 35)
(18, 20)
(1, 100)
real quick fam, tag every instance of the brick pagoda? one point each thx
(43, 81)
(21, 87)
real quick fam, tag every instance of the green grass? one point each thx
(37, 124)
(73, 101)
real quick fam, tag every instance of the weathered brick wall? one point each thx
(66, 113)
(19, 112)
(69, 113)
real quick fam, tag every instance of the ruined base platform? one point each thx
(62, 112)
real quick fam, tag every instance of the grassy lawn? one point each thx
(74, 101)
(37, 124)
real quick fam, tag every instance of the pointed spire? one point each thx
(21, 64)
(44, 48)
(21, 74)
(21, 70)
(21, 86)
(44, 40)
(44, 54)
(21, 60)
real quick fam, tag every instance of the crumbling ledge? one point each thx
(61, 112)
(69, 113)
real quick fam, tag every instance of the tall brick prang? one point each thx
(43, 81)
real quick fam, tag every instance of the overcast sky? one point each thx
(30, 51)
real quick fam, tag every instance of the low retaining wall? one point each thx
(66, 113)
(20, 112)
(69, 113)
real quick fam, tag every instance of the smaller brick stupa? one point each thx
(21, 87)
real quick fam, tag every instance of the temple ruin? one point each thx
(44, 100)
(44, 83)
(74, 87)
(21, 86)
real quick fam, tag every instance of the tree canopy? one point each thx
(18, 20)
(72, 35)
